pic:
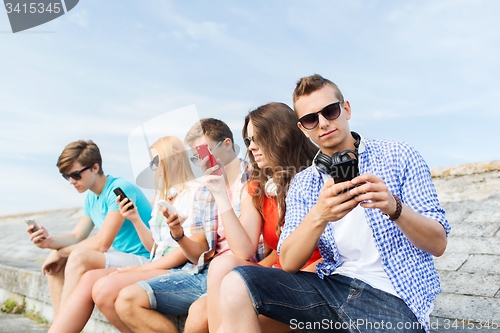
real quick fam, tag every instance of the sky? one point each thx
(423, 72)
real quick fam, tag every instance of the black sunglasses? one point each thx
(155, 161)
(75, 175)
(248, 140)
(330, 112)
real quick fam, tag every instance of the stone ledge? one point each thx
(471, 308)
(28, 283)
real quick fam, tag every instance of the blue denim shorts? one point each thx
(174, 292)
(304, 301)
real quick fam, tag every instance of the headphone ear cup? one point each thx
(323, 162)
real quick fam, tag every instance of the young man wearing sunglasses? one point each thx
(74, 254)
(377, 239)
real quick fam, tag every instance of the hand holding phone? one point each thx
(119, 193)
(32, 228)
(204, 151)
(165, 204)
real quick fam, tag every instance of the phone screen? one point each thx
(119, 193)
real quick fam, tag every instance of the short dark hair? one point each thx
(309, 84)
(215, 129)
(84, 152)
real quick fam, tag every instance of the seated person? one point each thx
(173, 172)
(74, 254)
(142, 306)
(376, 239)
(269, 134)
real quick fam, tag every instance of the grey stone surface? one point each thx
(475, 229)
(473, 245)
(482, 263)
(16, 323)
(470, 308)
(450, 261)
(475, 284)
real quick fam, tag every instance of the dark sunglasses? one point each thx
(155, 161)
(195, 159)
(248, 140)
(330, 112)
(75, 175)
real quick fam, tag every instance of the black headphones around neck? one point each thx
(325, 162)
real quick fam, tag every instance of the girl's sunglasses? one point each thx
(330, 112)
(155, 161)
(248, 140)
(75, 175)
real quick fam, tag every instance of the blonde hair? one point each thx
(172, 154)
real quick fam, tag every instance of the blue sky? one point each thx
(425, 72)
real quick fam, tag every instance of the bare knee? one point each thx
(104, 293)
(234, 293)
(127, 301)
(78, 261)
(221, 266)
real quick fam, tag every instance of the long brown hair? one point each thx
(286, 148)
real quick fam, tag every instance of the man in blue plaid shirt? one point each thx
(376, 239)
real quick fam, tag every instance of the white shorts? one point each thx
(115, 259)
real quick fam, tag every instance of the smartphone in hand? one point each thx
(119, 193)
(204, 151)
(35, 225)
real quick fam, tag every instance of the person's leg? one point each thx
(218, 269)
(78, 309)
(56, 283)
(197, 319)
(106, 290)
(132, 305)
(170, 294)
(234, 295)
(79, 262)
(304, 301)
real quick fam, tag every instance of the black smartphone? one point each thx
(345, 171)
(119, 193)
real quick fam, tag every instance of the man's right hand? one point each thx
(37, 237)
(332, 206)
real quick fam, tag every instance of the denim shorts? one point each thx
(304, 301)
(174, 292)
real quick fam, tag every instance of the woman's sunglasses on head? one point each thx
(75, 175)
(155, 161)
(330, 112)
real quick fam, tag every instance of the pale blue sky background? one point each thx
(426, 72)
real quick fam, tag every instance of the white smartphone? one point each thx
(170, 209)
(35, 225)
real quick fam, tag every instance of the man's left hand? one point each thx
(375, 192)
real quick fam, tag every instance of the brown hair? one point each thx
(172, 154)
(84, 152)
(215, 129)
(309, 84)
(287, 149)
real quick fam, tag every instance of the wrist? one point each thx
(177, 238)
(397, 212)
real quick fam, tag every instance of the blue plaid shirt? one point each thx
(410, 270)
